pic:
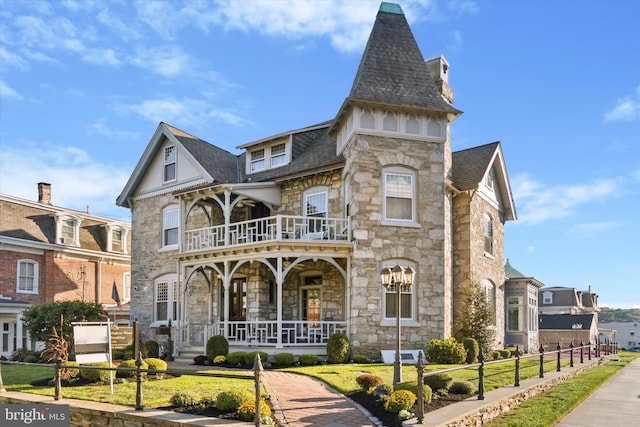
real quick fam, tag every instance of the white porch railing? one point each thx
(278, 227)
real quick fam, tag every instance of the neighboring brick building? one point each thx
(282, 245)
(49, 253)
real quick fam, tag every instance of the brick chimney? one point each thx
(44, 193)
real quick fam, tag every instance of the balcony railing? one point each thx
(272, 228)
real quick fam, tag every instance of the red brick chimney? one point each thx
(44, 193)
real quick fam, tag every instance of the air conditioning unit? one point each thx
(63, 241)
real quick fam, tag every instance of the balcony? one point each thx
(278, 228)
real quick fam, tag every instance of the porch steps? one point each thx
(187, 353)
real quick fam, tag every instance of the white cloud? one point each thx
(168, 62)
(538, 202)
(11, 59)
(593, 227)
(7, 92)
(626, 109)
(77, 179)
(101, 57)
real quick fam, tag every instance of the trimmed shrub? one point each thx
(95, 375)
(360, 359)
(495, 354)
(505, 354)
(445, 351)
(185, 399)
(201, 360)
(250, 358)
(412, 386)
(383, 391)
(400, 400)
(472, 348)
(308, 359)
(338, 348)
(438, 381)
(368, 382)
(72, 372)
(130, 363)
(30, 359)
(217, 345)
(20, 354)
(156, 364)
(462, 387)
(118, 354)
(219, 359)
(284, 359)
(152, 348)
(230, 401)
(247, 410)
(236, 357)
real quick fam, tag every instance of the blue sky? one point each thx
(83, 85)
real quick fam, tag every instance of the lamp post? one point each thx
(397, 278)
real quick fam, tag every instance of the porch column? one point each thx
(279, 280)
(19, 331)
(227, 220)
(226, 282)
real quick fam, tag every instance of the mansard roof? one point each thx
(470, 166)
(565, 321)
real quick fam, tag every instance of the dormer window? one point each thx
(67, 230)
(169, 163)
(257, 160)
(116, 238)
(278, 155)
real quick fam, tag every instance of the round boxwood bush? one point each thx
(361, 359)
(95, 375)
(338, 348)
(412, 386)
(117, 354)
(445, 351)
(249, 358)
(438, 381)
(185, 399)
(472, 348)
(156, 364)
(462, 387)
(284, 359)
(152, 347)
(495, 354)
(400, 400)
(30, 359)
(130, 363)
(308, 359)
(230, 401)
(505, 354)
(217, 345)
(247, 410)
(236, 357)
(200, 360)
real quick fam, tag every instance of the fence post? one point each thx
(571, 355)
(481, 375)
(257, 370)
(420, 368)
(558, 348)
(589, 353)
(139, 363)
(2, 389)
(517, 382)
(541, 349)
(581, 351)
(57, 380)
(597, 347)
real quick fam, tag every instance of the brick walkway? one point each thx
(303, 401)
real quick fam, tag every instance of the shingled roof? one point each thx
(565, 321)
(470, 165)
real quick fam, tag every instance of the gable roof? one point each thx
(565, 321)
(469, 167)
(392, 69)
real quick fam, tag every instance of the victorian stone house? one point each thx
(282, 245)
(51, 253)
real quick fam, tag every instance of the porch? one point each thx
(274, 228)
(261, 333)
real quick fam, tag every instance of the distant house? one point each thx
(625, 334)
(521, 309)
(567, 300)
(50, 253)
(565, 329)
(282, 245)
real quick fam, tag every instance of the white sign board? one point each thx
(91, 343)
(408, 357)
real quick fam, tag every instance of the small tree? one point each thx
(41, 319)
(477, 317)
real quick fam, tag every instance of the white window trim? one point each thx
(166, 162)
(520, 306)
(547, 298)
(126, 287)
(267, 158)
(165, 210)
(400, 170)
(60, 218)
(490, 235)
(172, 298)
(36, 276)
(404, 321)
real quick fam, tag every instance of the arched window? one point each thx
(367, 119)
(412, 125)
(390, 122)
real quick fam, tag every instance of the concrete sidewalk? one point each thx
(615, 403)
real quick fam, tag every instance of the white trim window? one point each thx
(487, 231)
(278, 155)
(27, 282)
(165, 299)
(547, 297)
(169, 164)
(515, 320)
(126, 287)
(316, 205)
(399, 189)
(170, 221)
(257, 160)
(489, 290)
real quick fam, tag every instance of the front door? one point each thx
(238, 299)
